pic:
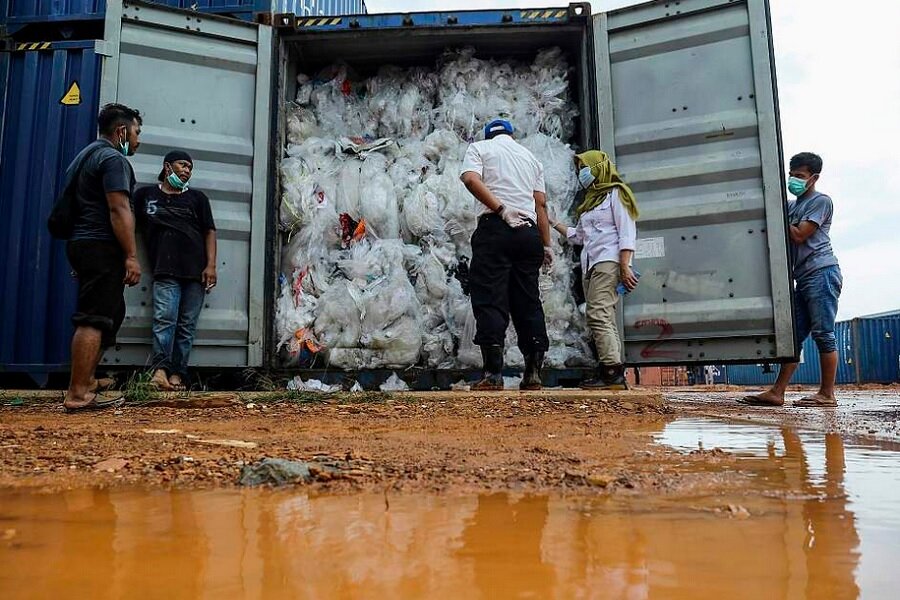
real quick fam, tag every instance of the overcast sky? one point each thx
(839, 91)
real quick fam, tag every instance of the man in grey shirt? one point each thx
(817, 278)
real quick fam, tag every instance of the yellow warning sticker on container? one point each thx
(73, 96)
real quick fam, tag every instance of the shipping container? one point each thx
(49, 113)
(709, 175)
(683, 99)
(17, 13)
(809, 371)
(313, 8)
(877, 356)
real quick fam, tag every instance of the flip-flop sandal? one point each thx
(159, 387)
(99, 402)
(103, 384)
(757, 401)
(814, 402)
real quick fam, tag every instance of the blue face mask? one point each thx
(586, 177)
(797, 186)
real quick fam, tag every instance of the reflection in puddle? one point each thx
(846, 496)
(824, 524)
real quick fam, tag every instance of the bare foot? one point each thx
(160, 382)
(818, 400)
(176, 383)
(767, 398)
(72, 403)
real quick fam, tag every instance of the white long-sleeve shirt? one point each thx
(604, 231)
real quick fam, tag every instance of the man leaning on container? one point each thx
(509, 246)
(101, 250)
(817, 282)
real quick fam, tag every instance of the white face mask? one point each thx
(124, 145)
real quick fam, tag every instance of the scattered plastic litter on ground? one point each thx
(313, 385)
(394, 384)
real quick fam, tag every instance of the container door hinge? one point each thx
(103, 48)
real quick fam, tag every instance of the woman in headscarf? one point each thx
(180, 233)
(606, 231)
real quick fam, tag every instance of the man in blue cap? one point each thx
(509, 246)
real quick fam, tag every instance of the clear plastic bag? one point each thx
(338, 323)
(378, 201)
(386, 301)
(468, 354)
(394, 384)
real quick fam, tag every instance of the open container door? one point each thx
(688, 110)
(202, 84)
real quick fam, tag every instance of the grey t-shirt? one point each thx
(815, 253)
(105, 170)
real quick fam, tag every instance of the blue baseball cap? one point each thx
(496, 127)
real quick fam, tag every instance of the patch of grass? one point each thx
(138, 388)
(260, 381)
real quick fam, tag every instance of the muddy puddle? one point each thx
(818, 517)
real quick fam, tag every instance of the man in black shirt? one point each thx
(102, 249)
(178, 226)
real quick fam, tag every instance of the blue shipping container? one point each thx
(868, 352)
(878, 349)
(16, 13)
(45, 123)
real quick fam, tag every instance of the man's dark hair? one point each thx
(811, 161)
(113, 115)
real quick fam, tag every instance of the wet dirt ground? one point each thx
(449, 496)
(416, 442)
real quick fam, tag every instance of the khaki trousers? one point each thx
(600, 292)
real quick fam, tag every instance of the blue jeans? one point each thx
(176, 308)
(816, 302)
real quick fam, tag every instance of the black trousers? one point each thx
(503, 282)
(100, 267)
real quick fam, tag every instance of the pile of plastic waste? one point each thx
(376, 224)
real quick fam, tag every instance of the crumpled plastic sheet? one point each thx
(560, 179)
(391, 300)
(394, 384)
(312, 385)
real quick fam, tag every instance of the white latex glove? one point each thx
(514, 217)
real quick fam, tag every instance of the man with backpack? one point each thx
(101, 248)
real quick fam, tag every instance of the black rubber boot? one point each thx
(607, 377)
(492, 371)
(531, 378)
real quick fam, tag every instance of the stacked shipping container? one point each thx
(15, 13)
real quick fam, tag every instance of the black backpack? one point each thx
(61, 222)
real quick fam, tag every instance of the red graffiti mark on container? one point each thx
(665, 332)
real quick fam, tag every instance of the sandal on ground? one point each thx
(177, 387)
(757, 401)
(100, 401)
(102, 384)
(815, 401)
